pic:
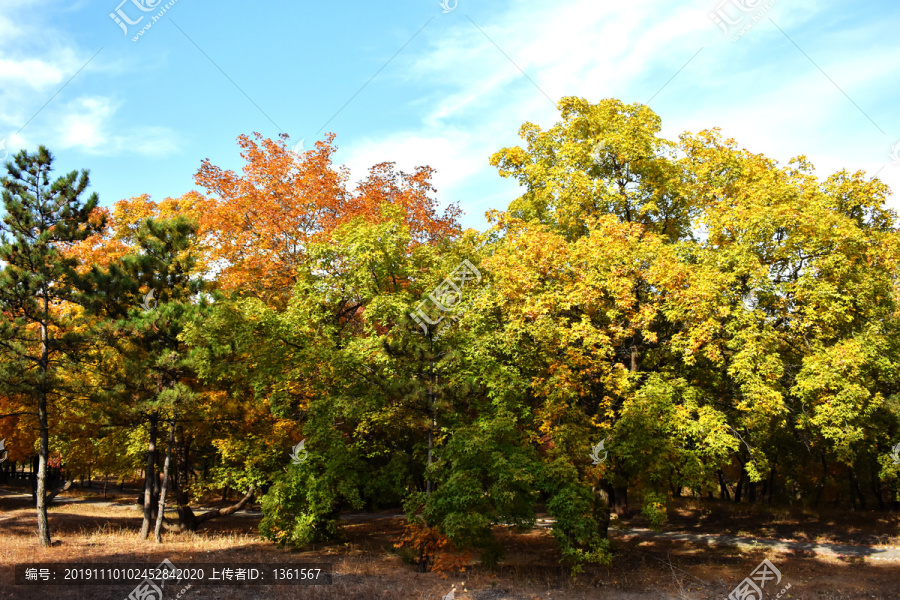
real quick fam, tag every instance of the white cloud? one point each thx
(9, 31)
(83, 125)
(86, 126)
(761, 90)
(451, 150)
(32, 74)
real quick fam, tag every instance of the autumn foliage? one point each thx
(724, 324)
(260, 223)
(432, 550)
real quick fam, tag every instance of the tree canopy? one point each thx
(650, 316)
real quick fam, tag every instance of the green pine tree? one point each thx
(151, 378)
(40, 219)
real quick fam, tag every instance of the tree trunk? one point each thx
(602, 503)
(723, 486)
(820, 487)
(165, 483)
(150, 477)
(620, 502)
(44, 451)
(186, 517)
(43, 455)
(187, 520)
(877, 487)
(432, 425)
(616, 497)
(855, 491)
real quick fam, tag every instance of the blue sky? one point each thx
(819, 78)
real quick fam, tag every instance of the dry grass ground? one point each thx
(824, 525)
(367, 569)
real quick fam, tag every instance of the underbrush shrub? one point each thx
(485, 475)
(430, 550)
(579, 514)
(302, 506)
(654, 509)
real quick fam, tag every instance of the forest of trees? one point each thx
(728, 326)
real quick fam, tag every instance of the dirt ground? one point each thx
(828, 525)
(366, 568)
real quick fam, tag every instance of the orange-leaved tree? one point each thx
(117, 238)
(261, 222)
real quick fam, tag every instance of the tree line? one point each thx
(649, 317)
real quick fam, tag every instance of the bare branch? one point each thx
(17, 414)
(216, 513)
(60, 490)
